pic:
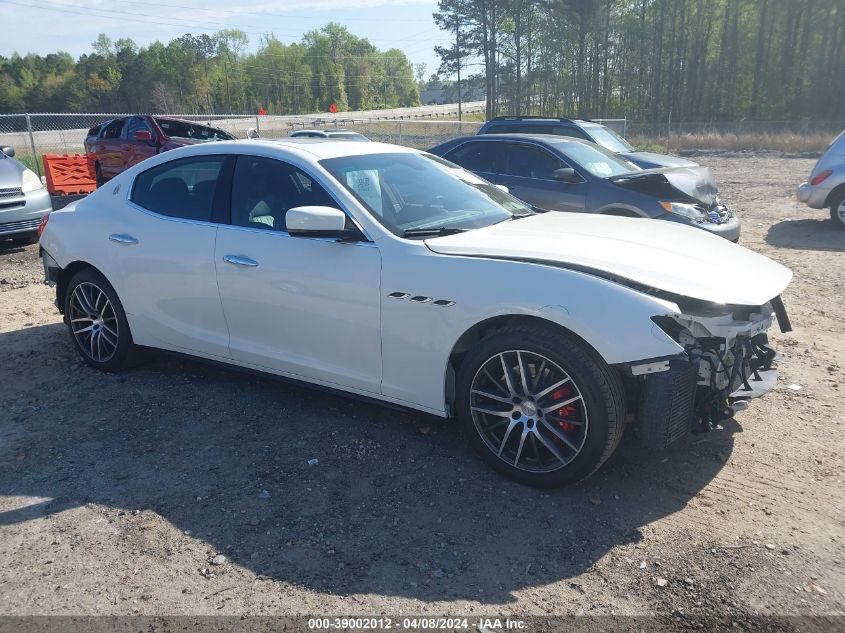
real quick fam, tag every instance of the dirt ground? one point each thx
(119, 493)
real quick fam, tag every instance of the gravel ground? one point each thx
(177, 488)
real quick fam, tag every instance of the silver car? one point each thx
(826, 187)
(23, 199)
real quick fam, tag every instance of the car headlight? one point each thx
(688, 211)
(31, 181)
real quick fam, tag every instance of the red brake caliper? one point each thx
(564, 412)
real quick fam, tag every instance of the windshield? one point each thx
(597, 160)
(185, 129)
(418, 192)
(609, 139)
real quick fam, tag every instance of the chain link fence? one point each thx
(33, 135)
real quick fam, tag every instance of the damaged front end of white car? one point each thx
(727, 361)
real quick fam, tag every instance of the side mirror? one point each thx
(252, 133)
(319, 222)
(9, 151)
(145, 136)
(566, 174)
(503, 188)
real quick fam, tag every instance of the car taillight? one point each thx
(42, 225)
(821, 177)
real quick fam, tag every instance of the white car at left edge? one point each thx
(394, 275)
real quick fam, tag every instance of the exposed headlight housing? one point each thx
(31, 181)
(688, 211)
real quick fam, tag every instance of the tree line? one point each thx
(693, 60)
(212, 74)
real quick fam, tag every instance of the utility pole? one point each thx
(458, 54)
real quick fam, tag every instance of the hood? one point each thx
(693, 182)
(655, 253)
(650, 159)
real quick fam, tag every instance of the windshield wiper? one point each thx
(435, 232)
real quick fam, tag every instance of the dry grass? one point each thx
(787, 142)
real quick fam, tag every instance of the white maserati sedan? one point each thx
(394, 275)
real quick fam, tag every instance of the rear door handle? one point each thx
(240, 260)
(120, 238)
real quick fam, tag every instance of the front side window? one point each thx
(409, 192)
(114, 129)
(136, 123)
(531, 162)
(476, 156)
(263, 189)
(182, 188)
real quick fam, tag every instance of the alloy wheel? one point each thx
(529, 411)
(840, 211)
(93, 322)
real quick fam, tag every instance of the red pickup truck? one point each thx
(116, 145)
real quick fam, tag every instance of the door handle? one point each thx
(240, 260)
(120, 238)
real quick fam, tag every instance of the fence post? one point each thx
(257, 126)
(32, 145)
(400, 131)
(669, 132)
(625, 127)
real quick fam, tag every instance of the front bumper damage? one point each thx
(727, 361)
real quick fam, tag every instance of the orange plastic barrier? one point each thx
(68, 174)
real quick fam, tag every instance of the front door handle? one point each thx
(240, 260)
(120, 238)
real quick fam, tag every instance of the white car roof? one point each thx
(316, 148)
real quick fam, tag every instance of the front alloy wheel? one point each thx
(539, 405)
(528, 411)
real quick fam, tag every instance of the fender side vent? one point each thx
(444, 303)
(420, 299)
(398, 295)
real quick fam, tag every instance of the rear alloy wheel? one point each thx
(540, 406)
(97, 322)
(837, 211)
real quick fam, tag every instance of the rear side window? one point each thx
(263, 189)
(531, 162)
(480, 156)
(566, 130)
(500, 129)
(181, 188)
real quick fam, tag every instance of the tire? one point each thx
(104, 342)
(523, 437)
(837, 210)
(98, 175)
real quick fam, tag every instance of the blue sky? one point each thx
(44, 26)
